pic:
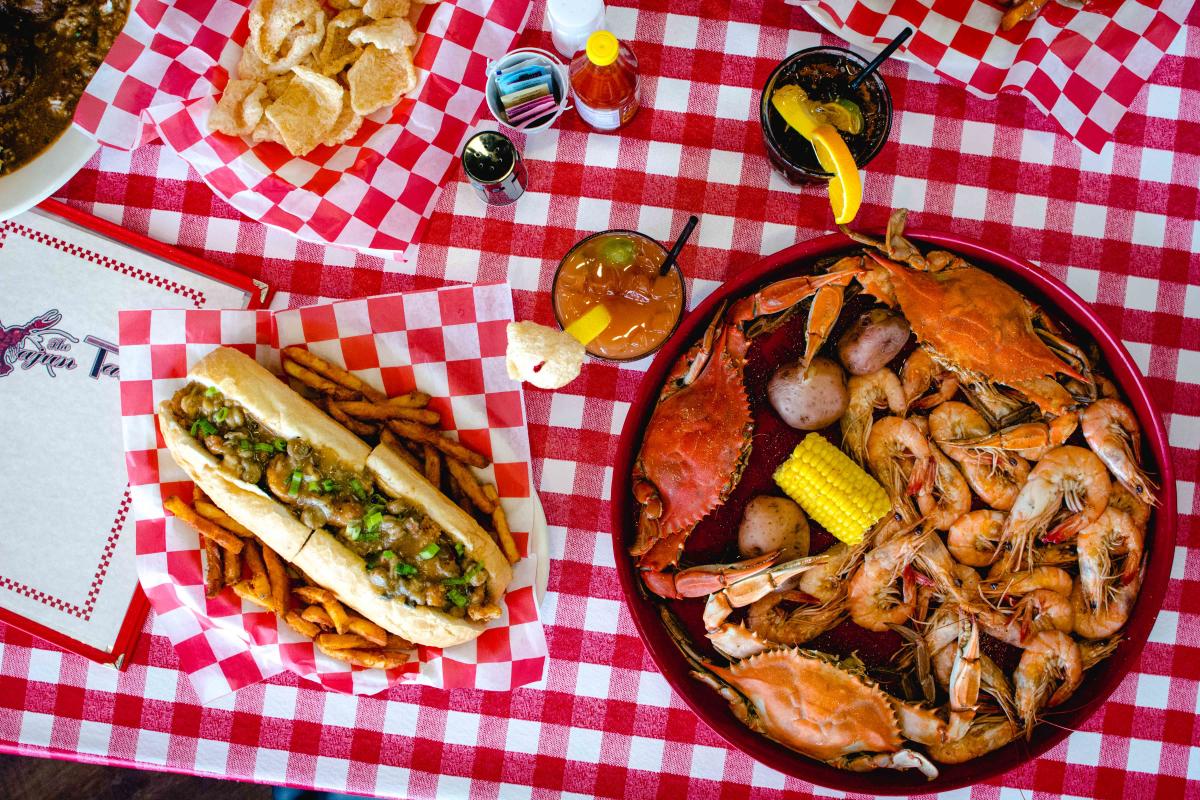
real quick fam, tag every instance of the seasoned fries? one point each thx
(355, 427)
(314, 381)
(206, 509)
(500, 522)
(470, 486)
(333, 372)
(203, 526)
(213, 570)
(384, 411)
(417, 432)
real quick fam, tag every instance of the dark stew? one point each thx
(407, 555)
(49, 50)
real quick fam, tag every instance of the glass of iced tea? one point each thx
(620, 269)
(824, 73)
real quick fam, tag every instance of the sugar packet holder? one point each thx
(527, 89)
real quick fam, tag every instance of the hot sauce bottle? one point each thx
(605, 82)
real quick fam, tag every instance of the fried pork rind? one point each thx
(306, 113)
(251, 67)
(383, 9)
(239, 109)
(396, 35)
(300, 44)
(272, 22)
(338, 52)
(346, 126)
(379, 79)
(547, 358)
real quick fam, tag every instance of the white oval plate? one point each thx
(37, 180)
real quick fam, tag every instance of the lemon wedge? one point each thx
(590, 325)
(845, 187)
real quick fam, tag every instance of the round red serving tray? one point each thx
(1098, 683)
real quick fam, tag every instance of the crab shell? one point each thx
(813, 706)
(974, 321)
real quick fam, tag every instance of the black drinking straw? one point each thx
(884, 54)
(669, 261)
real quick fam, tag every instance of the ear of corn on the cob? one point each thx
(832, 489)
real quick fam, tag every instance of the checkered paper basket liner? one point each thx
(448, 342)
(1082, 67)
(164, 74)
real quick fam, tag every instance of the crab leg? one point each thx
(826, 306)
(704, 579)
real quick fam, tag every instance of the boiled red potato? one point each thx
(773, 523)
(872, 341)
(811, 399)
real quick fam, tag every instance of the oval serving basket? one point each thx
(1098, 683)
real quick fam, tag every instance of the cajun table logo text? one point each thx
(39, 343)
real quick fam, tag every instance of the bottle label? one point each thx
(603, 119)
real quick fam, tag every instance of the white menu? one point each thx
(66, 542)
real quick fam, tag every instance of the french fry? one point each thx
(337, 613)
(433, 465)
(395, 642)
(415, 431)
(383, 411)
(354, 426)
(277, 578)
(371, 659)
(314, 381)
(414, 399)
(368, 630)
(389, 438)
(205, 527)
(333, 372)
(470, 485)
(500, 522)
(246, 591)
(342, 641)
(213, 570)
(258, 571)
(233, 568)
(198, 494)
(317, 616)
(300, 625)
(205, 508)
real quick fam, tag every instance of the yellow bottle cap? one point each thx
(602, 48)
(590, 325)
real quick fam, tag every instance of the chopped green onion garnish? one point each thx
(459, 581)
(357, 487)
(294, 483)
(458, 598)
(372, 521)
(206, 427)
(473, 571)
(313, 487)
(280, 445)
(221, 414)
(195, 427)
(388, 554)
(405, 569)
(263, 447)
(210, 391)
(429, 551)
(244, 445)
(328, 485)
(353, 530)
(458, 548)
(369, 536)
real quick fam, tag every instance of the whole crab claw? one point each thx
(704, 579)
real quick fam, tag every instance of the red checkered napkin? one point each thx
(164, 73)
(448, 342)
(1081, 67)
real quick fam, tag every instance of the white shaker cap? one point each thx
(570, 15)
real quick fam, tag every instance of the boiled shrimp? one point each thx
(919, 373)
(1113, 534)
(1100, 623)
(987, 733)
(1138, 510)
(1094, 652)
(1002, 584)
(949, 497)
(1050, 670)
(997, 479)
(1070, 476)
(874, 598)
(940, 640)
(1058, 431)
(880, 389)
(825, 581)
(770, 619)
(1037, 611)
(973, 537)
(1112, 431)
(952, 421)
(900, 457)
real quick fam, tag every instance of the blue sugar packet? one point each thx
(510, 88)
(505, 79)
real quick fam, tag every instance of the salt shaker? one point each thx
(572, 21)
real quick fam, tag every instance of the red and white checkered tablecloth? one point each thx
(1120, 227)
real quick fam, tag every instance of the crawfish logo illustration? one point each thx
(31, 335)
